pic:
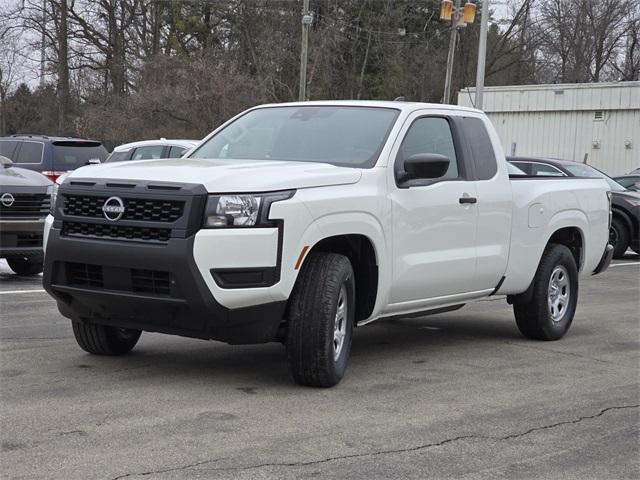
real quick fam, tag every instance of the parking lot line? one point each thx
(623, 264)
(17, 292)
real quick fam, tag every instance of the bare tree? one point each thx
(9, 58)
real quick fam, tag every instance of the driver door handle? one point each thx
(467, 199)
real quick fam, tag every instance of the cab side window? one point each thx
(541, 169)
(177, 152)
(429, 135)
(147, 153)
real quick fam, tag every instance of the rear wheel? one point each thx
(618, 237)
(549, 312)
(105, 340)
(320, 320)
(23, 265)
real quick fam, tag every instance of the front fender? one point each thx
(346, 223)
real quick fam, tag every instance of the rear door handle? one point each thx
(467, 199)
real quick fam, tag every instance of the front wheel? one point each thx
(26, 265)
(105, 340)
(548, 313)
(320, 320)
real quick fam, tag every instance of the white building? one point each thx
(596, 121)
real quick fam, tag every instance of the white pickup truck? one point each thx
(297, 222)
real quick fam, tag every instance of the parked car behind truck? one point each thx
(625, 206)
(151, 149)
(298, 222)
(51, 156)
(24, 204)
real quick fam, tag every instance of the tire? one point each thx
(105, 340)
(25, 265)
(323, 298)
(618, 237)
(549, 312)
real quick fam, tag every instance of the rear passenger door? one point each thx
(495, 204)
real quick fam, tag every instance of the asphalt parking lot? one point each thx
(457, 395)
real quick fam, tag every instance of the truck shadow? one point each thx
(251, 368)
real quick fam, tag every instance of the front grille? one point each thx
(150, 281)
(29, 240)
(26, 205)
(20, 240)
(145, 210)
(115, 232)
(84, 275)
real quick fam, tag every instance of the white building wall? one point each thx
(560, 121)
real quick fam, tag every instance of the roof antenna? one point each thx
(399, 99)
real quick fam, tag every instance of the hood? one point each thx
(226, 176)
(21, 177)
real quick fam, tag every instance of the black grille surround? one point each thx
(26, 205)
(154, 212)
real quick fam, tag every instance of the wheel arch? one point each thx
(621, 214)
(572, 238)
(361, 252)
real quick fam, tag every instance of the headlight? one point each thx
(242, 210)
(634, 202)
(53, 196)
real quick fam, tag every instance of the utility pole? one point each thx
(43, 42)
(452, 48)
(307, 19)
(482, 54)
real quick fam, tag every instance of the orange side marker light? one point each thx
(301, 256)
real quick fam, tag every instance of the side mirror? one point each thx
(425, 165)
(6, 162)
(94, 161)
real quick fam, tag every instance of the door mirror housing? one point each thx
(6, 162)
(425, 166)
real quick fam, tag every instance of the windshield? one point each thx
(587, 171)
(344, 136)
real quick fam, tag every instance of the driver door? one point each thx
(434, 220)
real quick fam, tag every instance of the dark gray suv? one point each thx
(51, 156)
(24, 204)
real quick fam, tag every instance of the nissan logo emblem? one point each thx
(7, 199)
(113, 208)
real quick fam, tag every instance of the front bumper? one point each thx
(21, 237)
(157, 288)
(605, 261)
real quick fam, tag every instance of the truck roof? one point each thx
(399, 105)
(162, 141)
